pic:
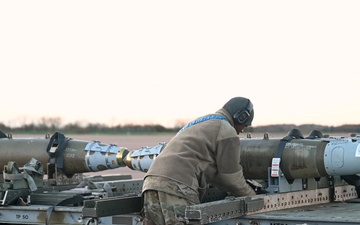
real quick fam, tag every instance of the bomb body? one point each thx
(76, 156)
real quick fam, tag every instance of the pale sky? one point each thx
(160, 62)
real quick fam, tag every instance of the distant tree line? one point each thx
(51, 125)
(91, 128)
(307, 128)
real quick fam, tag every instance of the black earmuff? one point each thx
(242, 115)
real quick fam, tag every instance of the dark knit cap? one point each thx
(241, 109)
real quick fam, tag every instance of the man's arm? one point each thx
(229, 176)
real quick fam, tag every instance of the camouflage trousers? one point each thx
(161, 208)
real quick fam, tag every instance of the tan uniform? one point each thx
(202, 154)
